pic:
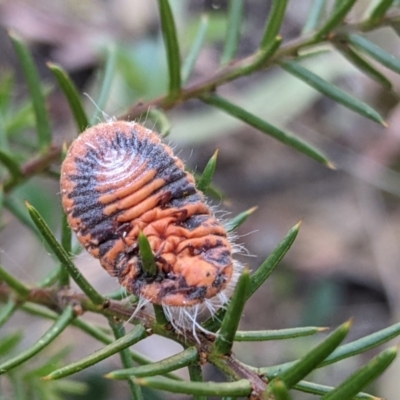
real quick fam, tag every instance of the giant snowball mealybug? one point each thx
(118, 179)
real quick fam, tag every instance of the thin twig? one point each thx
(58, 300)
(228, 73)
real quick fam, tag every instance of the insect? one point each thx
(118, 179)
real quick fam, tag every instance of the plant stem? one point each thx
(224, 75)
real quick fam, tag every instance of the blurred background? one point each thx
(345, 261)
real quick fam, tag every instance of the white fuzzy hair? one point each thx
(189, 318)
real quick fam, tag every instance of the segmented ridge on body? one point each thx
(118, 179)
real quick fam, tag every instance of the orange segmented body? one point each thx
(119, 179)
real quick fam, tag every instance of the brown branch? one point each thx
(229, 73)
(57, 300)
(239, 68)
(34, 167)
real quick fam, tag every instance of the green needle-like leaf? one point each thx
(8, 342)
(138, 333)
(204, 182)
(7, 310)
(108, 76)
(278, 390)
(172, 48)
(63, 257)
(161, 121)
(313, 358)
(357, 381)
(336, 4)
(365, 343)
(4, 145)
(14, 283)
(266, 268)
(62, 322)
(169, 364)
(379, 11)
(126, 359)
(9, 161)
(23, 117)
(315, 388)
(233, 315)
(347, 350)
(196, 375)
(7, 83)
(146, 253)
(48, 364)
(68, 387)
(195, 49)
(66, 238)
(259, 277)
(378, 54)
(118, 294)
(279, 334)
(235, 222)
(140, 359)
(274, 22)
(1, 202)
(160, 315)
(51, 278)
(336, 18)
(363, 65)
(91, 330)
(72, 96)
(263, 126)
(331, 91)
(314, 16)
(258, 60)
(35, 91)
(253, 63)
(119, 332)
(237, 389)
(232, 36)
